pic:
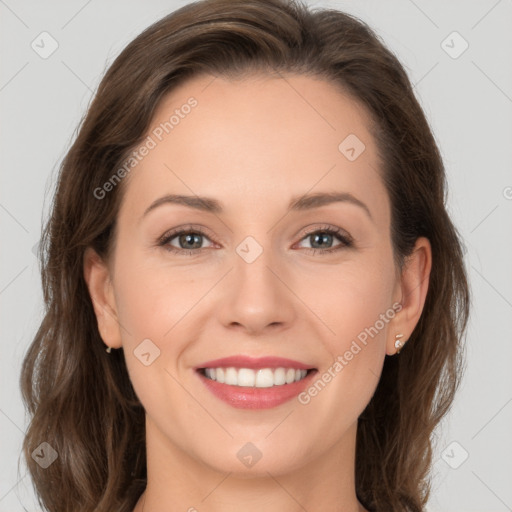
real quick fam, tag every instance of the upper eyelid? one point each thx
(173, 233)
(335, 230)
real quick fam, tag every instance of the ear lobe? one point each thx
(414, 283)
(97, 277)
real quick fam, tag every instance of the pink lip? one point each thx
(256, 398)
(255, 363)
(242, 397)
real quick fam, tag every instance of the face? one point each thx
(258, 268)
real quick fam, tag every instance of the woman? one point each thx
(255, 296)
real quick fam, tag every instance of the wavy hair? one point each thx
(81, 400)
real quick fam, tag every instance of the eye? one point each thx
(185, 241)
(189, 240)
(321, 240)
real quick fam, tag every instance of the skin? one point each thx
(253, 144)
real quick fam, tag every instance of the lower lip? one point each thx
(256, 398)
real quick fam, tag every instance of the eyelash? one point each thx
(345, 239)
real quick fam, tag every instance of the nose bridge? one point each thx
(256, 296)
(252, 268)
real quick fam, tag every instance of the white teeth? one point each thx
(290, 375)
(262, 378)
(246, 377)
(220, 375)
(231, 376)
(279, 376)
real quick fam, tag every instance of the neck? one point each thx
(179, 482)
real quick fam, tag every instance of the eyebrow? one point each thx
(300, 203)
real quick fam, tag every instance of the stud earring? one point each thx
(399, 344)
(108, 350)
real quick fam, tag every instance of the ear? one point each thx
(97, 277)
(413, 287)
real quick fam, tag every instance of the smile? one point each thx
(248, 377)
(240, 396)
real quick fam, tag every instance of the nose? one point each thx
(258, 297)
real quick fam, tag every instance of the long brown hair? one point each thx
(81, 400)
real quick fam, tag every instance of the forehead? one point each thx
(260, 138)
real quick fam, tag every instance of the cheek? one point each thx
(357, 308)
(354, 301)
(152, 299)
(154, 307)
(158, 303)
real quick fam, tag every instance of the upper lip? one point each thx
(241, 361)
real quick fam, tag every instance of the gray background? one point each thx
(468, 101)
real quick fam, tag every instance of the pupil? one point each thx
(185, 239)
(321, 236)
